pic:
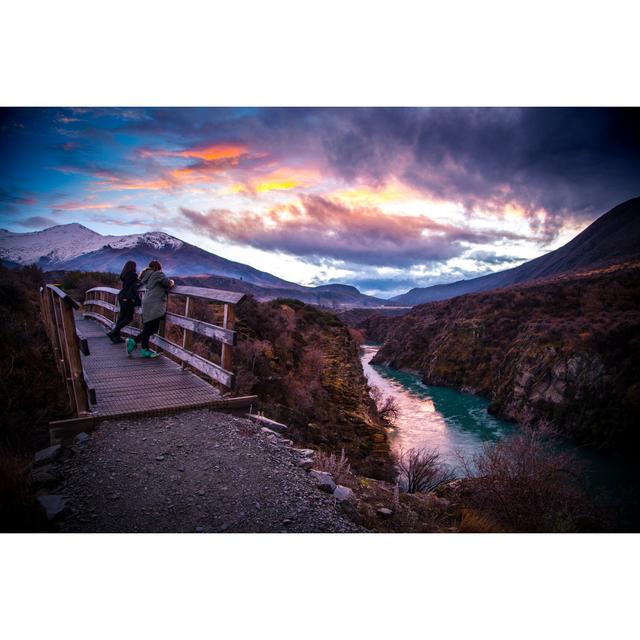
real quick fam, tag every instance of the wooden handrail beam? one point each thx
(204, 328)
(102, 303)
(213, 295)
(63, 295)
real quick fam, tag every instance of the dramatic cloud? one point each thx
(348, 194)
(320, 228)
(565, 162)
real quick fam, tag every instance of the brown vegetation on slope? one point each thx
(304, 365)
(563, 350)
(31, 394)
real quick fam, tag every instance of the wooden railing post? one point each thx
(227, 350)
(53, 328)
(72, 344)
(116, 313)
(187, 335)
(64, 352)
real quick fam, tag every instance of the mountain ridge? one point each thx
(613, 237)
(74, 247)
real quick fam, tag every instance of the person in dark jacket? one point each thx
(154, 307)
(128, 298)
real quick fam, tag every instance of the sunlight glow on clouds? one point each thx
(385, 199)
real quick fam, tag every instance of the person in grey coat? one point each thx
(154, 307)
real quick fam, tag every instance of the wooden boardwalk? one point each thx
(137, 386)
(103, 382)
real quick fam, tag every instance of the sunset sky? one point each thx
(384, 199)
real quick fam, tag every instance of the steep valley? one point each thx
(563, 350)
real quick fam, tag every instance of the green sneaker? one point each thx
(148, 353)
(131, 346)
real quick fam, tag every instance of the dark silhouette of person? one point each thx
(128, 298)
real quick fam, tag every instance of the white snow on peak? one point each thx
(68, 241)
(153, 239)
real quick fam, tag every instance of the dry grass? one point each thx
(474, 522)
(338, 467)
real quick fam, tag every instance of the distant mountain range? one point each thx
(72, 247)
(613, 237)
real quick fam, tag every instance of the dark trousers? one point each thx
(125, 316)
(148, 329)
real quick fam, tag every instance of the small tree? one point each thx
(422, 470)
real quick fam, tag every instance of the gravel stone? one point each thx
(45, 476)
(324, 481)
(344, 494)
(221, 480)
(44, 456)
(54, 506)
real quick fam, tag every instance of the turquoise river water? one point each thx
(450, 421)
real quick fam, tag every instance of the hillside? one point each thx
(612, 238)
(304, 365)
(563, 350)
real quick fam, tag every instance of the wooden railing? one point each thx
(57, 309)
(101, 304)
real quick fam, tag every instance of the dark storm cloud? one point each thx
(37, 222)
(572, 163)
(569, 162)
(489, 257)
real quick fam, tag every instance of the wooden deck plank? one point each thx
(128, 386)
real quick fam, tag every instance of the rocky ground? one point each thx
(200, 471)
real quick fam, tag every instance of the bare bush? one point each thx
(422, 470)
(339, 468)
(527, 483)
(388, 408)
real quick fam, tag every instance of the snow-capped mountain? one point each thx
(74, 247)
(62, 243)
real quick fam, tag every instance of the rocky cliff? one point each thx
(563, 350)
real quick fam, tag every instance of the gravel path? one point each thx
(200, 471)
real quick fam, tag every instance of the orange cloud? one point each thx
(81, 206)
(214, 152)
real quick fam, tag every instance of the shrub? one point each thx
(422, 470)
(528, 484)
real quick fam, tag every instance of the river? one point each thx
(457, 423)
(450, 421)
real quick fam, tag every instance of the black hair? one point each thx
(129, 266)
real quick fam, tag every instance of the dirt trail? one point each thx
(200, 471)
